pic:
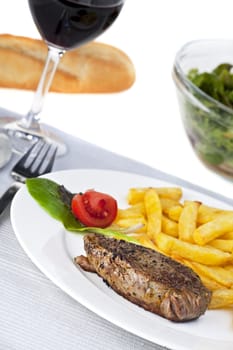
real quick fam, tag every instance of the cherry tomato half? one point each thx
(94, 209)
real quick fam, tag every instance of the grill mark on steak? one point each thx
(145, 277)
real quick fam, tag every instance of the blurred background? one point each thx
(144, 122)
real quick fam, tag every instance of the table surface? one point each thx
(142, 123)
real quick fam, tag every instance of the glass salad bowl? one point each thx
(203, 76)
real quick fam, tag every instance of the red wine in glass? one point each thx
(63, 25)
(67, 24)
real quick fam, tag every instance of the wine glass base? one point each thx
(21, 138)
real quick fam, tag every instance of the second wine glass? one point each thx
(63, 25)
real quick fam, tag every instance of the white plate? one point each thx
(52, 249)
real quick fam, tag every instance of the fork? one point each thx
(38, 160)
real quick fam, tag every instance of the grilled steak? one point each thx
(146, 277)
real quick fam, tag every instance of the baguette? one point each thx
(92, 68)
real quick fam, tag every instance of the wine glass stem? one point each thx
(31, 120)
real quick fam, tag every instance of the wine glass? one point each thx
(63, 25)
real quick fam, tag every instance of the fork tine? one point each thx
(33, 165)
(38, 146)
(50, 163)
(22, 170)
(26, 155)
(37, 168)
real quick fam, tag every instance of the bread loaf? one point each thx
(92, 68)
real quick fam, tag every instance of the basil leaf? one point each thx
(47, 194)
(56, 199)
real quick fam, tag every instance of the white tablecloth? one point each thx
(37, 315)
(34, 313)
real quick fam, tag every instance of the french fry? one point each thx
(193, 233)
(135, 210)
(207, 213)
(169, 226)
(229, 268)
(136, 195)
(174, 193)
(168, 203)
(153, 213)
(207, 281)
(228, 235)
(131, 222)
(188, 221)
(221, 298)
(174, 212)
(225, 245)
(146, 242)
(213, 229)
(216, 273)
(205, 255)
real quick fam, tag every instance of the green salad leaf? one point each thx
(218, 83)
(55, 199)
(210, 128)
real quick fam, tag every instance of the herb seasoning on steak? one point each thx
(145, 277)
